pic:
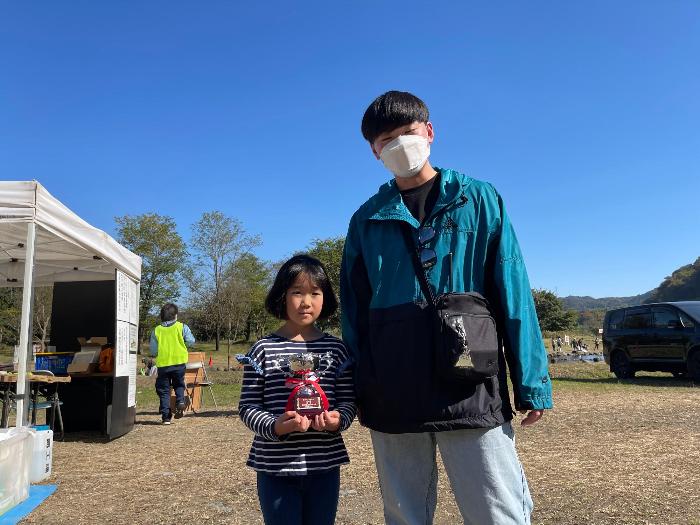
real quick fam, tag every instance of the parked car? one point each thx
(655, 337)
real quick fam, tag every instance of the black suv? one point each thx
(655, 337)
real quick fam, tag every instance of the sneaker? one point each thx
(166, 421)
(180, 410)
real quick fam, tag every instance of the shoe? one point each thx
(166, 421)
(180, 410)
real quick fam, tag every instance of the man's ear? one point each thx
(374, 151)
(431, 132)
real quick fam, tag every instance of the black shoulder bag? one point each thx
(466, 339)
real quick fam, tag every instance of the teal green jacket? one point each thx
(382, 306)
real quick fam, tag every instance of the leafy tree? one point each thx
(551, 313)
(591, 320)
(248, 283)
(330, 253)
(43, 298)
(155, 239)
(10, 313)
(218, 241)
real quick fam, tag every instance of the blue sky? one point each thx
(584, 115)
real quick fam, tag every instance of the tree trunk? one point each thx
(247, 329)
(141, 337)
(228, 347)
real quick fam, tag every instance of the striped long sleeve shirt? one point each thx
(264, 397)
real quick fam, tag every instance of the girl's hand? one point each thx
(328, 421)
(291, 422)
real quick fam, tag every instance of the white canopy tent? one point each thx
(43, 242)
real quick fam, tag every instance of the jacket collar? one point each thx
(389, 205)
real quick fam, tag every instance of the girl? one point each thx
(297, 458)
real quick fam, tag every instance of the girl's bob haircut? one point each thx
(302, 264)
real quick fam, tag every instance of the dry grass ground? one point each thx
(610, 453)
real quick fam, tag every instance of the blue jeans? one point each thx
(170, 376)
(299, 500)
(482, 465)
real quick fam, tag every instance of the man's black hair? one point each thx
(168, 312)
(276, 300)
(391, 110)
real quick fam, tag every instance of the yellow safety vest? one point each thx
(171, 345)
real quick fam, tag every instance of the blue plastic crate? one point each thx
(56, 362)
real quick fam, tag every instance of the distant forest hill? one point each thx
(582, 303)
(682, 285)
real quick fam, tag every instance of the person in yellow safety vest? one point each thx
(169, 342)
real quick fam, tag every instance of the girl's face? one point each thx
(304, 301)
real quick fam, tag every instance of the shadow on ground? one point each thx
(84, 437)
(204, 413)
(637, 381)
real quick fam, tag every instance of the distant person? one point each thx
(149, 367)
(406, 245)
(297, 458)
(169, 342)
(554, 346)
(596, 343)
(559, 344)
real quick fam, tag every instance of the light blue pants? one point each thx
(485, 474)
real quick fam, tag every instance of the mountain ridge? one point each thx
(582, 303)
(682, 285)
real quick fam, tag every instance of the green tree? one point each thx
(43, 299)
(330, 253)
(164, 255)
(218, 241)
(10, 313)
(247, 283)
(551, 313)
(591, 320)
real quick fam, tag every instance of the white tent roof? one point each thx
(67, 247)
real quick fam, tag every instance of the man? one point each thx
(465, 242)
(169, 342)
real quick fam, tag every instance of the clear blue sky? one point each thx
(585, 116)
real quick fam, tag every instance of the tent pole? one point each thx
(25, 338)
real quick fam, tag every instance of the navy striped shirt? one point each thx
(264, 397)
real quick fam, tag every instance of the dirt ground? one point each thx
(610, 453)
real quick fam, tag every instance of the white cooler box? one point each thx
(42, 454)
(16, 446)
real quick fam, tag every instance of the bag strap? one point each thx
(417, 266)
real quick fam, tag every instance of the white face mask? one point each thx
(406, 155)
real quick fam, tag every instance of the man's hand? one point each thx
(533, 416)
(329, 421)
(291, 422)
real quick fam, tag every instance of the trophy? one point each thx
(302, 372)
